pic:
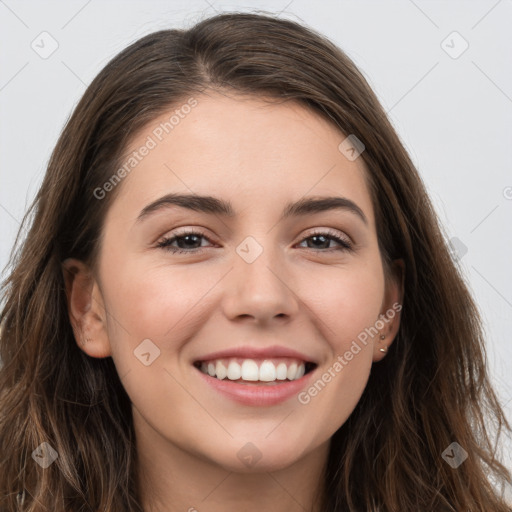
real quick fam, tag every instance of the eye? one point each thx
(188, 241)
(185, 238)
(322, 237)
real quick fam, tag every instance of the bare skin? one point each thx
(314, 297)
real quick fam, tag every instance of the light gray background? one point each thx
(453, 114)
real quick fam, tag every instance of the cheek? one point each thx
(347, 300)
(151, 301)
(345, 305)
(155, 311)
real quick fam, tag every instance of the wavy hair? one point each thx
(432, 389)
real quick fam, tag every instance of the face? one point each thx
(241, 274)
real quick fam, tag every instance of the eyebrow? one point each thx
(216, 206)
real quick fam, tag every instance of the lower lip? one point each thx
(255, 394)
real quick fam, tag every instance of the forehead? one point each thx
(249, 150)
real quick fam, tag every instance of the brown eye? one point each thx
(184, 241)
(321, 239)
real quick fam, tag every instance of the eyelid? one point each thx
(181, 232)
(186, 230)
(330, 231)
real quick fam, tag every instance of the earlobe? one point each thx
(86, 309)
(389, 321)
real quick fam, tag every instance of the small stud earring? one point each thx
(383, 337)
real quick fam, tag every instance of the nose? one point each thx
(261, 290)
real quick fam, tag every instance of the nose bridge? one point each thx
(258, 284)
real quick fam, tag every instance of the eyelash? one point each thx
(166, 242)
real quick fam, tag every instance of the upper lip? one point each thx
(248, 352)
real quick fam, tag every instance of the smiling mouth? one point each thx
(256, 371)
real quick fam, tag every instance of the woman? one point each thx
(317, 350)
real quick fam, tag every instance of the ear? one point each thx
(86, 309)
(390, 310)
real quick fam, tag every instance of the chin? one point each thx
(259, 457)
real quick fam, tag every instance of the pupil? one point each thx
(187, 238)
(316, 237)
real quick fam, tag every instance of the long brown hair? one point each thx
(431, 390)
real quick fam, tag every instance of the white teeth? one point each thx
(234, 371)
(281, 371)
(249, 370)
(267, 371)
(292, 370)
(221, 370)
